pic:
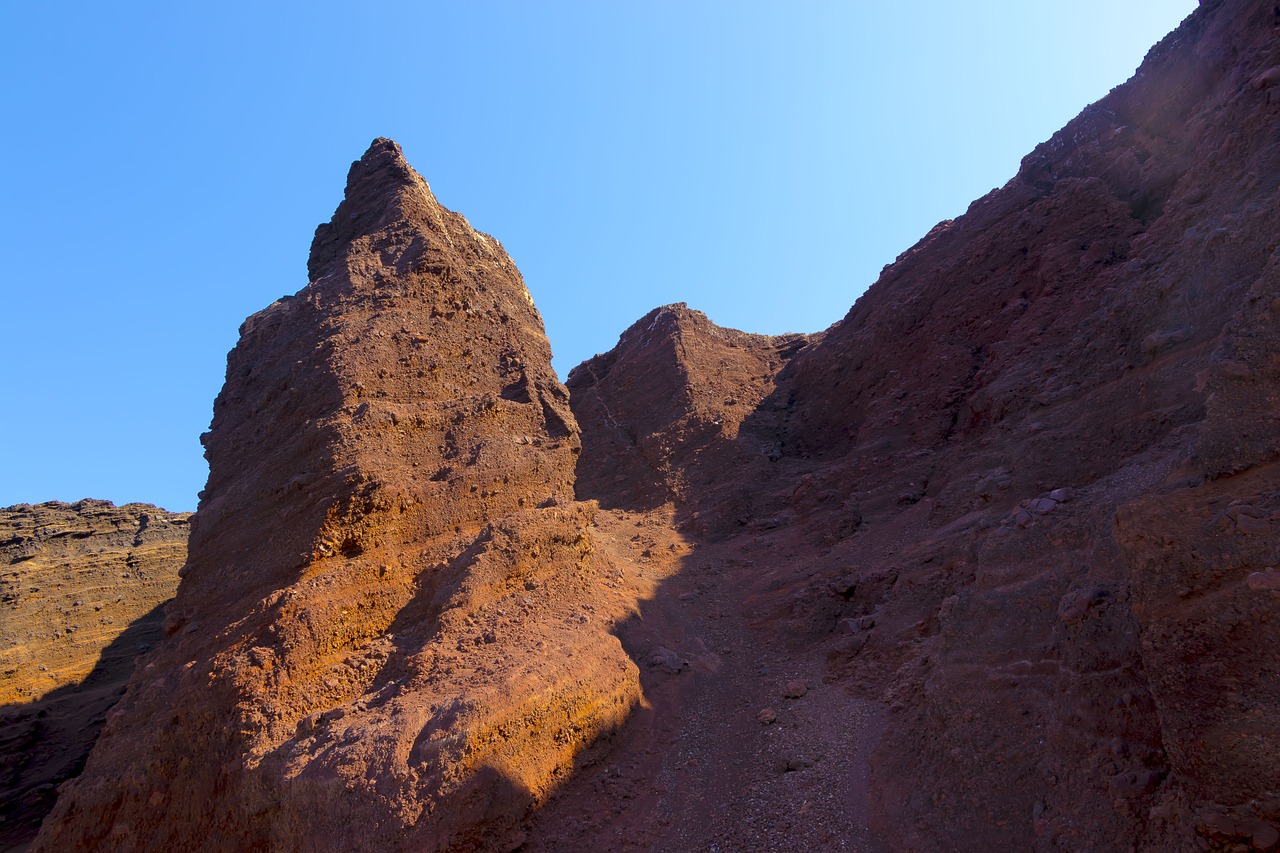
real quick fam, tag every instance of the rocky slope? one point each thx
(990, 564)
(80, 598)
(1098, 332)
(1021, 495)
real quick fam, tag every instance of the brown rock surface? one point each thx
(393, 628)
(997, 499)
(668, 402)
(80, 599)
(996, 551)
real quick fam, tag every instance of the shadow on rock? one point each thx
(47, 742)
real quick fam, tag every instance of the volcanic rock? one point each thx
(1104, 324)
(675, 405)
(1010, 523)
(390, 633)
(80, 597)
(1038, 455)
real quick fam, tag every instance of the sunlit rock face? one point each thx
(385, 635)
(988, 565)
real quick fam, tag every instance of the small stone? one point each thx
(307, 725)
(1061, 495)
(1266, 836)
(795, 689)
(1250, 524)
(767, 716)
(794, 763)
(665, 660)
(1268, 581)
(1043, 505)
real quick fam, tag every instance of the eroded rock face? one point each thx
(668, 401)
(1021, 493)
(1013, 518)
(388, 635)
(1097, 331)
(1205, 591)
(81, 592)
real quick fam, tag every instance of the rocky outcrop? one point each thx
(392, 630)
(987, 565)
(1095, 332)
(668, 402)
(80, 599)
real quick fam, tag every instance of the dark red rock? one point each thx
(1022, 412)
(674, 392)
(1009, 521)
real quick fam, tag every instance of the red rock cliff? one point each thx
(989, 564)
(379, 640)
(81, 598)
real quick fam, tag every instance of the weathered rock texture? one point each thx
(989, 565)
(1023, 494)
(675, 389)
(392, 632)
(1100, 330)
(80, 595)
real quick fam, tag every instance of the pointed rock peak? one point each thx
(382, 167)
(676, 318)
(665, 319)
(381, 187)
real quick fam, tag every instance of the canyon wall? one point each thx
(989, 564)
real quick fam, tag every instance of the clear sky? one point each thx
(166, 165)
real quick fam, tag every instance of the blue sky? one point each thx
(167, 163)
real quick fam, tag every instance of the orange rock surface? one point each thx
(988, 565)
(81, 593)
(393, 631)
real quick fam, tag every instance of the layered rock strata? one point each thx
(81, 591)
(391, 632)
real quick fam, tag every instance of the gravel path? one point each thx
(723, 759)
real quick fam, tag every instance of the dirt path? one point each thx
(697, 770)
